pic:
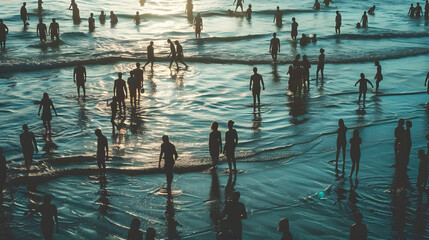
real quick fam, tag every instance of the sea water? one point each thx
(286, 146)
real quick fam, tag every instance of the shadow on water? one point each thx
(276, 76)
(170, 219)
(214, 199)
(103, 201)
(82, 116)
(257, 119)
(400, 202)
(136, 121)
(298, 105)
(178, 75)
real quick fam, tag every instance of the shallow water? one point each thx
(285, 147)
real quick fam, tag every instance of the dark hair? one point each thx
(214, 126)
(135, 224)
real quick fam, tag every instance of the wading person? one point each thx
(102, 150)
(79, 77)
(27, 140)
(46, 104)
(168, 151)
(215, 143)
(231, 141)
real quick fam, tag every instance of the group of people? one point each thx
(417, 11)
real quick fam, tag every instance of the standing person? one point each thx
(341, 143)
(49, 213)
(399, 135)
(364, 20)
(189, 9)
(3, 172)
(338, 23)
(363, 87)
(72, 4)
(76, 15)
(294, 31)
(150, 55)
(278, 17)
(306, 71)
(172, 53)
(102, 17)
(41, 31)
(27, 140)
(326, 2)
(4, 30)
(427, 9)
(198, 24)
(150, 233)
(274, 47)
(320, 63)
(316, 5)
(102, 150)
(284, 229)
(355, 142)
(132, 87)
(24, 16)
(235, 211)
(412, 10)
(292, 79)
(371, 10)
(79, 77)
(239, 4)
(54, 30)
(180, 55)
(419, 10)
(135, 233)
(358, 231)
(138, 74)
(137, 18)
(91, 22)
(255, 86)
(113, 18)
(249, 12)
(215, 143)
(406, 144)
(422, 177)
(426, 81)
(231, 141)
(378, 76)
(168, 151)
(46, 103)
(120, 92)
(114, 109)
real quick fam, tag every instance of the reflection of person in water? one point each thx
(170, 214)
(341, 143)
(399, 135)
(215, 143)
(422, 177)
(355, 142)
(235, 211)
(405, 145)
(231, 141)
(284, 229)
(363, 87)
(120, 92)
(168, 151)
(274, 47)
(135, 233)
(198, 24)
(114, 109)
(189, 9)
(358, 231)
(49, 213)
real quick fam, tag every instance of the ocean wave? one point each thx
(378, 36)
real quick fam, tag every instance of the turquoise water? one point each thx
(285, 147)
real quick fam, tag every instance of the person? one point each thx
(27, 139)
(215, 143)
(338, 23)
(427, 9)
(297, 73)
(427, 141)
(76, 15)
(135, 233)
(412, 10)
(378, 76)
(150, 55)
(358, 231)
(239, 4)
(113, 18)
(306, 71)
(198, 23)
(138, 74)
(274, 47)
(326, 2)
(3, 172)
(363, 87)
(426, 82)
(39, 4)
(284, 229)
(132, 87)
(364, 20)
(406, 144)
(114, 109)
(419, 10)
(422, 177)
(320, 63)
(49, 213)
(137, 18)
(294, 31)
(355, 142)
(91, 22)
(102, 149)
(72, 4)
(278, 15)
(79, 77)
(231, 141)
(292, 83)
(150, 233)
(255, 86)
(172, 53)
(47, 103)
(314, 38)
(371, 10)
(180, 55)
(235, 211)
(189, 8)
(399, 135)
(341, 143)
(249, 12)
(168, 151)
(316, 5)
(4, 30)
(54, 30)
(102, 17)
(225, 232)
(304, 40)
(120, 92)
(24, 16)
(41, 31)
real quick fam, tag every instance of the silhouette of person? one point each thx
(79, 77)
(422, 177)
(150, 55)
(150, 233)
(314, 38)
(278, 17)
(412, 10)
(406, 144)
(102, 149)
(41, 31)
(304, 40)
(320, 63)
(137, 18)
(189, 8)
(371, 10)
(54, 30)
(255, 86)
(113, 18)
(135, 233)
(132, 87)
(231, 141)
(426, 81)
(378, 76)
(24, 16)
(49, 213)
(91, 22)
(235, 211)
(341, 143)
(284, 229)
(39, 4)
(363, 87)
(138, 74)
(4, 30)
(168, 151)
(274, 47)
(427, 139)
(225, 232)
(358, 230)
(76, 15)
(427, 9)
(215, 143)
(364, 20)
(249, 12)
(294, 31)
(399, 135)
(27, 140)
(292, 79)
(72, 4)
(198, 24)
(120, 92)
(326, 2)
(305, 64)
(3, 173)
(355, 142)
(239, 4)
(338, 23)
(180, 55)
(316, 5)
(114, 108)
(102, 17)
(419, 10)
(172, 53)
(46, 104)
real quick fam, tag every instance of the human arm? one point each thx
(262, 81)
(84, 74)
(74, 75)
(35, 143)
(243, 212)
(160, 157)
(55, 111)
(357, 82)
(427, 77)
(250, 84)
(278, 40)
(370, 83)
